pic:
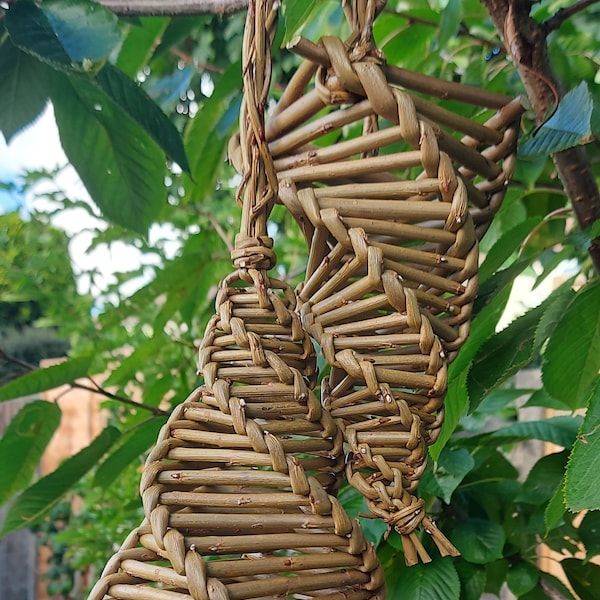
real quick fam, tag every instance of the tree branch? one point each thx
(525, 41)
(172, 8)
(560, 16)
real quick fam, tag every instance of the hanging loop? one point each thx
(258, 188)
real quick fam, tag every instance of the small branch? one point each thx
(15, 361)
(173, 8)
(560, 16)
(525, 41)
(200, 66)
(96, 389)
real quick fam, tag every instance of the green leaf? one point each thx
(295, 14)
(589, 533)
(86, 30)
(204, 144)
(23, 444)
(133, 446)
(46, 379)
(139, 44)
(68, 34)
(24, 92)
(140, 107)
(555, 508)
(505, 247)
(522, 577)
(569, 126)
(572, 357)
(30, 30)
(479, 541)
(543, 479)
(582, 490)
(585, 578)
(472, 580)
(119, 163)
(449, 23)
(561, 430)
(437, 580)
(35, 502)
(450, 470)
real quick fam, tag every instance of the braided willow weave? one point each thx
(236, 491)
(392, 217)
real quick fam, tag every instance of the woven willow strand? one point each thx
(393, 246)
(237, 491)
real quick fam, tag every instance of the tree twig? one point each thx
(560, 16)
(525, 41)
(172, 8)
(97, 389)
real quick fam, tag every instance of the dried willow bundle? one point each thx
(392, 216)
(237, 491)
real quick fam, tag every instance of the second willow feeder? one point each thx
(392, 216)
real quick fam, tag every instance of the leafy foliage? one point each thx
(144, 109)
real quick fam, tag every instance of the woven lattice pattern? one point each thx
(237, 493)
(392, 217)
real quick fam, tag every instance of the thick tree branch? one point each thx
(525, 41)
(560, 16)
(172, 8)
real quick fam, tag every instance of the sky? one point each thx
(38, 147)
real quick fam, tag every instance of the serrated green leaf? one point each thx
(23, 444)
(46, 379)
(585, 578)
(67, 34)
(543, 479)
(569, 126)
(589, 533)
(498, 285)
(450, 469)
(133, 446)
(119, 163)
(572, 356)
(31, 31)
(555, 509)
(36, 501)
(86, 30)
(24, 92)
(522, 577)
(542, 398)
(581, 489)
(479, 541)
(437, 580)
(595, 229)
(507, 245)
(295, 13)
(449, 23)
(561, 430)
(140, 107)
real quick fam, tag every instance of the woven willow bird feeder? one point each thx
(236, 492)
(392, 216)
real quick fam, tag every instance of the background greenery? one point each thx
(144, 108)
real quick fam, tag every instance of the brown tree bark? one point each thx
(525, 41)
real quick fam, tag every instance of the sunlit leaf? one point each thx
(47, 378)
(295, 13)
(36, 501)
(23, 443)
(119, 163)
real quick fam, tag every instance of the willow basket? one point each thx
(392, 217)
